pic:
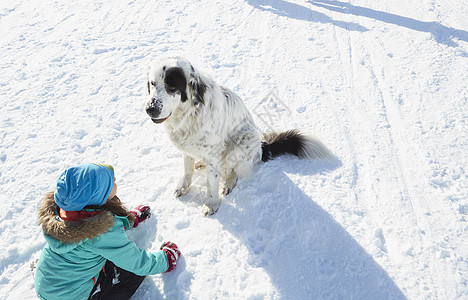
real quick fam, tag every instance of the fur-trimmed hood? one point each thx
(69, 232)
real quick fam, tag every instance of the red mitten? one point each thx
(172, 252)
(141, 212)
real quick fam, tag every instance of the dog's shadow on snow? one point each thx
(307, 254)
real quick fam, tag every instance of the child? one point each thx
(88, 254)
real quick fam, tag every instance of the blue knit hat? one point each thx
(87, 184)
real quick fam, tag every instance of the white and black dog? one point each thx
(209, 122)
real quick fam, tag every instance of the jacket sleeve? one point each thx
(116, 247)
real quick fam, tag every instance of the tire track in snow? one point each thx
(408, 162)
(405, 196)
(346, 117)
(399, 177)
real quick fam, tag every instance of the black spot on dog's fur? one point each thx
(175, 81)
(199, 88)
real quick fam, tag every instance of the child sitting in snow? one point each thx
(88, 254)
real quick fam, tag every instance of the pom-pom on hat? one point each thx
(87, 184)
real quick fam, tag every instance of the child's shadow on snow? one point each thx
(307, 254)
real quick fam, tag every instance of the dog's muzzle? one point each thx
(154, 108)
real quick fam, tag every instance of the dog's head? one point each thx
(172, 84)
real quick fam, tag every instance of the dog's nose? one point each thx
(153, 111)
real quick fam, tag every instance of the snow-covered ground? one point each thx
(384, 84)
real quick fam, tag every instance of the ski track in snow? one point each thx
(383, 84)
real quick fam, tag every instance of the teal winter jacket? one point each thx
(75, 254)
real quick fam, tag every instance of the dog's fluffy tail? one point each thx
(293, 142)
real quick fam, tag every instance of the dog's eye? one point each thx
(153, 83)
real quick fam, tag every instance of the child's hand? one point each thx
(172, 252)
(141, 212)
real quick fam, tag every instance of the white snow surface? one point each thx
(384, 84)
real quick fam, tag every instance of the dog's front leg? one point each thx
(184, 183)
(212, 200)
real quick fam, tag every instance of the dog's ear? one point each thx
(198, 86)
(175, 80)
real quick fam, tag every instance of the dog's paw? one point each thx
(208, 211)
(183, 187)
(229, 186)
(182, 191)
(200, 165)
(226, 191)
